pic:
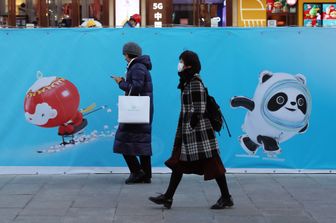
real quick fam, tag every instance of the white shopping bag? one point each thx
(133, 109)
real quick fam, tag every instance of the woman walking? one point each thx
(195, 149)
(134, 140)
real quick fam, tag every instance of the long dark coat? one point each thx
(199, 142)
(136, 139)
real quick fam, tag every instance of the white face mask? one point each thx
(180, 67)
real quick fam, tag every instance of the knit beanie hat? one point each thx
(132, 48)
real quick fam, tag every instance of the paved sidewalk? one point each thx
(100, 198)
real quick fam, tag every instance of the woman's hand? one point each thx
(117, 79)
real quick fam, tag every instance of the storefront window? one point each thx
(92, 9)
(124, 9)
(329, 15)
(26, 12)
(59, 13)
(199, 12)
(184, 12)
(3, 13)
(321, 14)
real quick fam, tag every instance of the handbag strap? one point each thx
(129, 93)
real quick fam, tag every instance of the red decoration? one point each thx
(51, 102)
(136, 17)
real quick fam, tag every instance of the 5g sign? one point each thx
(158, 12)
(157, 6)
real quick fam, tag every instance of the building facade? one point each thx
(169, 13)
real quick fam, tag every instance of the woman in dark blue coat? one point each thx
(134, 140)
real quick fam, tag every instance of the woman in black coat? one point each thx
(195, 148)
(134, 140)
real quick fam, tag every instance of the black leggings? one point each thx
(176, 177)
(175, 180)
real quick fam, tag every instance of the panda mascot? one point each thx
(280, 109)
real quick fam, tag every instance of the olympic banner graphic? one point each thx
(275, 87)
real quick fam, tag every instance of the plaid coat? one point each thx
(199, 142)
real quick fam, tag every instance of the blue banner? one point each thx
(276, 88)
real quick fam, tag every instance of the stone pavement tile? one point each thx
(6, 220)
(135, 197)
(285, 212)
(56, 194)
(88, 219)
(326, 220)
(289, 219)
(268, 186)
(9, 213)
(142, 189)
(100, 188)
(245, 179)
(188, 215)
(325, 180)
(38, 219)
(190, 200)
(31, 179)
(239, 219)
(192, 191)
(272, 204)
(106, 178)
(66, 182)
(321, 210)
(6, 179)
(41, 211)
(92, 212)
(14, 201)
(273, 198)
(138, 219)
(69, 179)
(314, 194)
(136, 188)
(64, 186)
(140, 209)
(49, 204)
(264, 195)
(296, 181)
(95, 201)
(14, 188)
(133, 202)
(59, 197)
(90, 215)
(240, 209)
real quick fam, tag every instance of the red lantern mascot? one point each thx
(54, 101)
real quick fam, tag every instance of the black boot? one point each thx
(135, 178)
(223, 203)
(161, 199)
